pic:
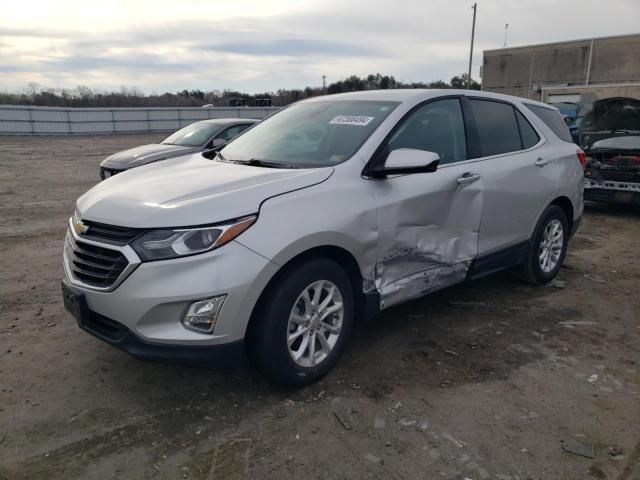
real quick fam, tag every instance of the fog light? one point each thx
(201, 316)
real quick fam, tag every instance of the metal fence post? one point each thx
(69, 120)
(148, 121)
(113, 120)
(31, 119)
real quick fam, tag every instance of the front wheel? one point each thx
(548, 247)
(304, 323)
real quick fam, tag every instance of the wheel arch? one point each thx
(561, 202)
(364, 303)
(567, 207)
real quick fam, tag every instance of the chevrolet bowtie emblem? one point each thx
(79, 227)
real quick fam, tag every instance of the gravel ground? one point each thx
(486, 380)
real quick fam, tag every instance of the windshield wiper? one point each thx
(255, 162)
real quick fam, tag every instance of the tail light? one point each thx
(582, 158)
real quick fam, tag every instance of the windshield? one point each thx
(313, 134)
(192, 135)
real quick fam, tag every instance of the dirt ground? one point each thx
(486, 380)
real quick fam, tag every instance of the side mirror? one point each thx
(406, 161)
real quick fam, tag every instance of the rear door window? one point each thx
(527, 133)
(553, 120)
(497, 127)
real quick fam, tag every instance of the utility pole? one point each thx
(506, 30)
(473, 32)
(324, 83)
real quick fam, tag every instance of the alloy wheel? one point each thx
(315, 323)
(551, 245)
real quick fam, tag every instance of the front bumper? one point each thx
(119, 336)
(154, 297)
(109, 172)
(611, 191)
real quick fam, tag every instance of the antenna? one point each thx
(324, 83)
(506, 31)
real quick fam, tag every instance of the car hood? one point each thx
(190, 191)
(619, 143)
(134, 157)
(610, 118)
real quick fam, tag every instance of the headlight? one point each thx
(180, 242)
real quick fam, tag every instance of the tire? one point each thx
(287, 312)
(534, 269)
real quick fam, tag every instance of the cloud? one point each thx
(291, 47)
(258, 46)
(133, 63)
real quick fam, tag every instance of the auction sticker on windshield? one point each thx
(358, 120)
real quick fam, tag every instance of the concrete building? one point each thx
(574, 71)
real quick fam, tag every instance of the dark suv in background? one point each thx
(199, 136)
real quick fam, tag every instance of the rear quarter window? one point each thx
(527, 133)
(553, 120)
(497, 127)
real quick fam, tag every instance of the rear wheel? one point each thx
(305, 323)
(548, 247)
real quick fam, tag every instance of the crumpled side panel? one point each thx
(428, 233)
(421, 283)
(421, 260)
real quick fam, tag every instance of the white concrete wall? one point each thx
(27, 120)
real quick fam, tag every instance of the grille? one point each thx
(103, 326)
(620, 175)
(92, 265)
(110, 233)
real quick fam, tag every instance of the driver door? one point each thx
(428, 222)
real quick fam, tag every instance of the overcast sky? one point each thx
(255, 46)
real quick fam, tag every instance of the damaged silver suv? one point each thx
(328, 211)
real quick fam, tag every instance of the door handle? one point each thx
(541, 162)
(468, 178)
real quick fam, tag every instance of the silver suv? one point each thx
(324, 213)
